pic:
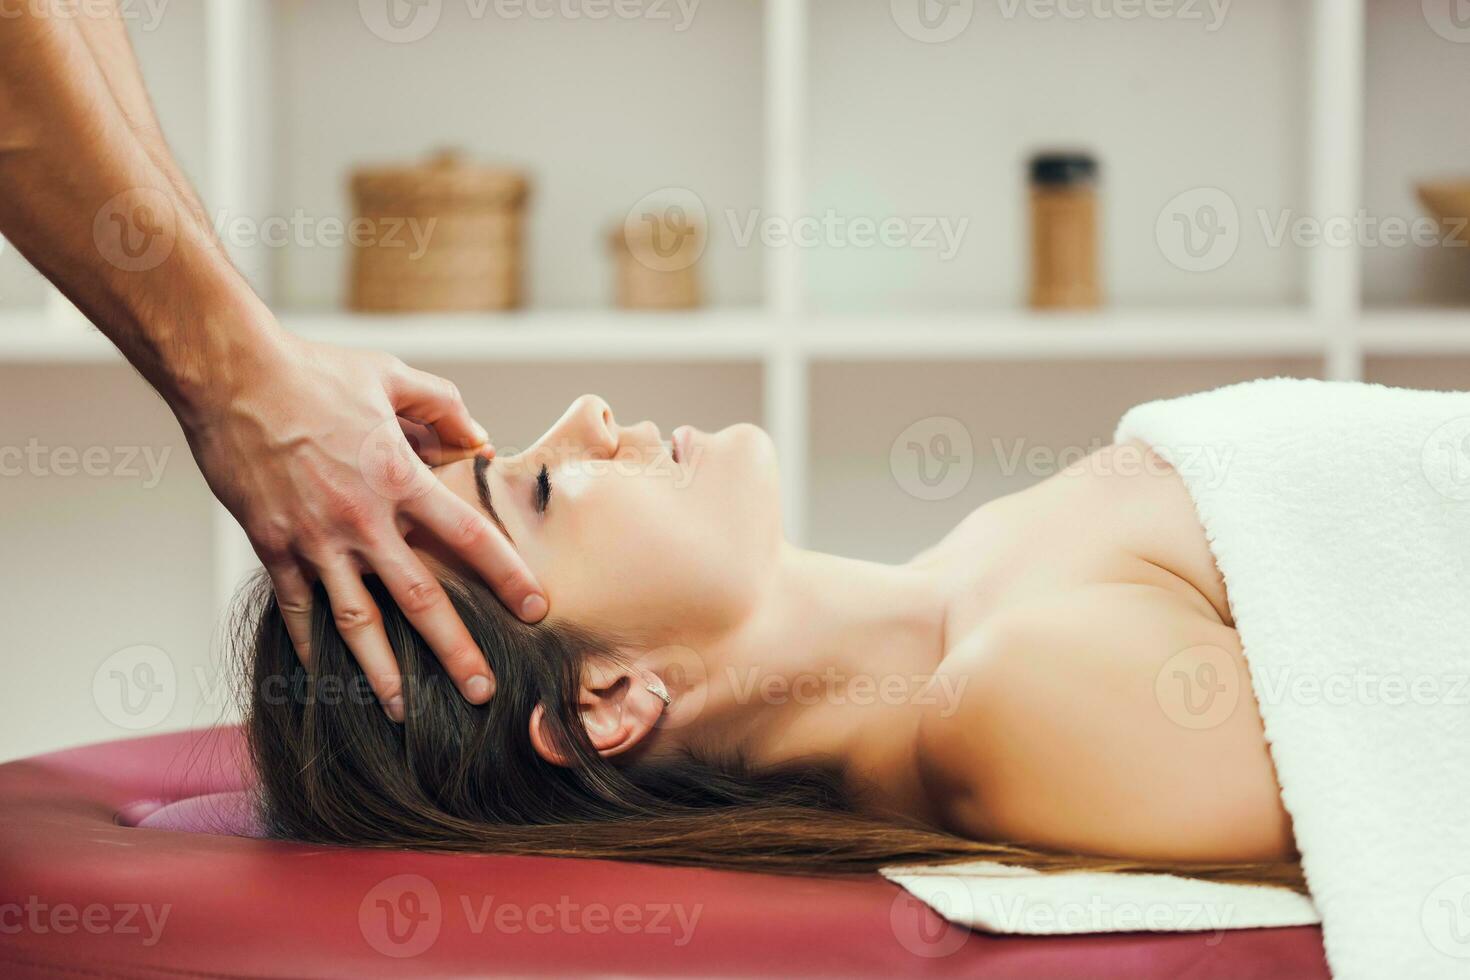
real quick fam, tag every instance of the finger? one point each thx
(483, 547)
(293, 598)
(424, 601)
(425, 442)
(431, 400)
(360, 624)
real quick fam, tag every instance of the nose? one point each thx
(588, 426)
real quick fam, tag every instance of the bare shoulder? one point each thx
(1131, 457)
(1131, 487)
(1109, 719)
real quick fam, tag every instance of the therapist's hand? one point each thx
(301, 442)
(308, 451)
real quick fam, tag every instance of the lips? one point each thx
(683, 438)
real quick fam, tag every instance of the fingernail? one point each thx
(533, 608)
(480, 433)
(394, 707)
(478, 689)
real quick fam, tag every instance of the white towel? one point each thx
(1339, 515)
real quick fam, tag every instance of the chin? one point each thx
(753, 449)
(754, 453)
(750, 437)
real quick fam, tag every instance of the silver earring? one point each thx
(655, 686)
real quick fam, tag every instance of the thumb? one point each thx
(431, 400)
(426, 443)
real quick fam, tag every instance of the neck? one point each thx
(837, 652)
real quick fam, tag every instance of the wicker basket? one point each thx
(467, 254)
(1449, 202)
(657, 266)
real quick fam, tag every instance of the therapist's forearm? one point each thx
(281, 429)
(106, 36)
(73, 168)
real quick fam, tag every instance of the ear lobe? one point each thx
(616, 708)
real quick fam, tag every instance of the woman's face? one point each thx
(630, 536)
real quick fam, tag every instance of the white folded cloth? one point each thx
(1006, 899)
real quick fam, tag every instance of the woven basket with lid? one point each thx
(656, 265)
(1449, 202)
(469, 220)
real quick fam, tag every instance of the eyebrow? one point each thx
(482, 487)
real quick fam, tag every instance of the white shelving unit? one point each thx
(758, 336)
(784, 336)
(1336, 165)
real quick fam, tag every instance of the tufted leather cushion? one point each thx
(91, 885)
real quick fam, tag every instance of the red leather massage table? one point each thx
(85, 892)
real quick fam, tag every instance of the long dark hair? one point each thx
(453, 776)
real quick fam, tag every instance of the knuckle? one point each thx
(369, 536)
(353, 618)
(469, 530)
(357, 519)
(419, 596)
(273, 554)
(272, 542)
(353, 512)
(293, 607)
(311, 539)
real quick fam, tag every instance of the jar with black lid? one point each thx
(1064, 264)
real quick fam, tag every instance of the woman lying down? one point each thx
(705, 693)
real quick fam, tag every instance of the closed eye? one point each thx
(543, 490)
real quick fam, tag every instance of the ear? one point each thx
(615, 706)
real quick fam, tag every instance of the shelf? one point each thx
(595, 335)
(716, 335)
(1415, 332)
(591, 335)
(741, 336)
(1024, 335)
